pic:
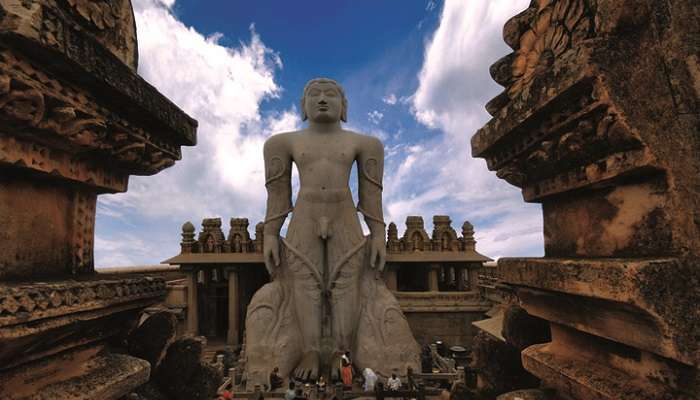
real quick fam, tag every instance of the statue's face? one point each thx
(323, 102)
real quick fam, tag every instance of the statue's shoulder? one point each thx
(366, 142)
(281, 141)
(363, 139)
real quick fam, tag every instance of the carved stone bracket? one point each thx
(46, 318)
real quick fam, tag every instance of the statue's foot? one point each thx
(307, 370)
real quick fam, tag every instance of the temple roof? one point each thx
(257, 258)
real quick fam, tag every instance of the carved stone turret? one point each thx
(238, 236)
(444, 236)
(415, 238)
(393, 245)
(259, 237)
(211, 238)
(187, 237)
(468, 242)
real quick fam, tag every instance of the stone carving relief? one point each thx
(110, 22)
(83, 231)
(45, 159)
(29, 96)
(558, 26)
(43, 301)
(578, 140)
(101, 14)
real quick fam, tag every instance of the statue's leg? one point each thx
(272, 336)
(384, 342)
(305, 281)
(346, 271)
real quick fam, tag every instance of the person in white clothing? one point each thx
(370, 380)
(393, 383)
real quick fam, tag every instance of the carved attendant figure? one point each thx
(326, 296)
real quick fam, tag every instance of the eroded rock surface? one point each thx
(151, 339)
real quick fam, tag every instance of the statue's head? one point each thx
(324, 101)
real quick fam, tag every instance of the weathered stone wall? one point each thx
(453, 328)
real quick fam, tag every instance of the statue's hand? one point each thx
(271, 253)
(377, 253)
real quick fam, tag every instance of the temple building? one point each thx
(434, 278)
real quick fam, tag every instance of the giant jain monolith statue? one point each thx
(326, 295)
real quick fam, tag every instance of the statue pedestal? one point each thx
(77, 121)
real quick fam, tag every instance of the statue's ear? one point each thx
(344, 111)
(304, 117)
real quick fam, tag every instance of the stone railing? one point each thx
(441, 301)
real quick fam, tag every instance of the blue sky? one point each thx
(416, 76)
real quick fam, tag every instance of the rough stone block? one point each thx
(183, 375)
(151, 339)
(521, 329)
(498, 366)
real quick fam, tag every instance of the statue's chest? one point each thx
(329, 154)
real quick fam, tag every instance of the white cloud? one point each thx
(222, 88)
(375, 116)
(440, 176)
(390, 99)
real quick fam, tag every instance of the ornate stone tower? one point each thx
(467, 239)
(76, 121)
(415, 238)
(238, 236)
(599, 123)
(392, 243)
(444, 236)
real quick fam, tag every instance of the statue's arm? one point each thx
(370, 172)
(278, 182)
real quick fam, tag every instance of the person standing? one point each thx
(370, 380)
(346, 372)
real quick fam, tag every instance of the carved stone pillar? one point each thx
(433, 277)
(192, 302)
(472, 272)
(461, 273)
(390, 278)
(233, 304)
(76, 122)
(599, 124)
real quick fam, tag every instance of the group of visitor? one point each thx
(347, 370)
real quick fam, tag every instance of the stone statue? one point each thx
(327, 296)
